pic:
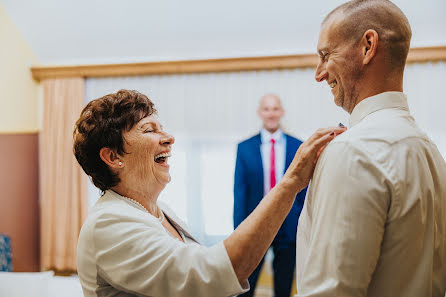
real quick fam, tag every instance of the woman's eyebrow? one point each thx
(145, 124)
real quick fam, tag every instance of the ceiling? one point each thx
(111, 31)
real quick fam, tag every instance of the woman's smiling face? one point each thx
(147, 148)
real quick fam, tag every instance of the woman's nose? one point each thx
(167, 139)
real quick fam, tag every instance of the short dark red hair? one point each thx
(101, 124)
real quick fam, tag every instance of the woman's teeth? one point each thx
(160, 158)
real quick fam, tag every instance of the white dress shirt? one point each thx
(279, 150)
(374, 220)
(125, 251)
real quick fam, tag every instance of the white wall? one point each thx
(19, 92)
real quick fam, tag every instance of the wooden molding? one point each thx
(19, 132)
(427, 54)
(416, 55)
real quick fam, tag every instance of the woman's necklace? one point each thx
(160, 215)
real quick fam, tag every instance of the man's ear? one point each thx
(111, 158)
(369, 45)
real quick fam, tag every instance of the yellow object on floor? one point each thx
(265, 282)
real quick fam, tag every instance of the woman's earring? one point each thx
(120, 163)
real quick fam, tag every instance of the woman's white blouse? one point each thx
(125, 251)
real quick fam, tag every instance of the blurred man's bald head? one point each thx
(270, 112)
(355, 17)
(270, 98)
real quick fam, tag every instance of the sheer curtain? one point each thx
(209, 113)
(63, 201)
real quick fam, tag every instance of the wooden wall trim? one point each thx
(427, 54)
(416, 55)
(19, 132)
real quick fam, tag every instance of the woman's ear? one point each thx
(111, 158)
(369, 44)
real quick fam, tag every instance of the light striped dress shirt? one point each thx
(374, 220)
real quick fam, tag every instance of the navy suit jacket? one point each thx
(248, 185)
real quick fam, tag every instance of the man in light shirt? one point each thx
(374, 220)
(261, 163)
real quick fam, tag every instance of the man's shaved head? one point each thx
(392, 26)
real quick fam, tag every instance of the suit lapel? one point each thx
(258, 157)
(288, 153)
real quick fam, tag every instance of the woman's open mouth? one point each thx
(162, 158)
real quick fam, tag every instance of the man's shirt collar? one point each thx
(266, 135)
(374, 103)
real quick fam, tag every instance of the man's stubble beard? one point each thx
(350, 98)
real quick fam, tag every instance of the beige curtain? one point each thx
(63, 189)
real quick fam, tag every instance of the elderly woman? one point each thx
(129, 245)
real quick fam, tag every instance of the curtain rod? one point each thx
(416, 55)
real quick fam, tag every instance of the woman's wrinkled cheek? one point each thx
(145, 161)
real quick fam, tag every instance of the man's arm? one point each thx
(349, 201)
(240, 190)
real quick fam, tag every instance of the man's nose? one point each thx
(321, 72)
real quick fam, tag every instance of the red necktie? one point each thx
(272, 167)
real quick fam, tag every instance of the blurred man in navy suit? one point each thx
(261, 162)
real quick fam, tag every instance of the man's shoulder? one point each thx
(249, 141)
(292, 140)
(375, 137)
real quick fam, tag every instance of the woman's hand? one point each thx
(301, 169)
